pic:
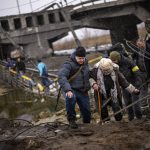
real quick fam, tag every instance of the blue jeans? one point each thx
(45, 81)
(135, 110)
(82, 100)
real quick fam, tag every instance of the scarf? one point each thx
(100, 82)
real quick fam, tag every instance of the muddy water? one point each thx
(18, 102)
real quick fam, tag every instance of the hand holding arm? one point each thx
(136, 91)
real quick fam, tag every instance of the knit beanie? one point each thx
(80, 52)
(39, 60)
(106, 64)
(114, 55)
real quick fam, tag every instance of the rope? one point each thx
(109, 99)
(127, 43)
(121, 110)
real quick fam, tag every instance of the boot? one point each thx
(73, 124)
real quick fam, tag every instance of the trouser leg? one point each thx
(136, 107)
(115, 108)
(70, 108)
(128, 100)
(143, 93)
(104, 113)
(84, 105)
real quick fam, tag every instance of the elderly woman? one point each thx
(107, 81)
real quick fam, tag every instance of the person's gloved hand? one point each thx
(136, 92)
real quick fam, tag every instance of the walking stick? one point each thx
(58, 96)
(99, 106)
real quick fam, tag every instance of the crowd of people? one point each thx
(19, 66)
(115, 78)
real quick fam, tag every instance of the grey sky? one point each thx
(9, 7)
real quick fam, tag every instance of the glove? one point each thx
(136, 92)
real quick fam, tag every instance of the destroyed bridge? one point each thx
(37, 31)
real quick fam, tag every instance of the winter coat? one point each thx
(80, 82)
(120, 81)
(11, 64)
(42, 69)
(20, 66)
(130, 70)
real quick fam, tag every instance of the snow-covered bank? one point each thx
(100, 48)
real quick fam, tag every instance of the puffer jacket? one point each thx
(130, 70)
(42, 69)
(80, 82)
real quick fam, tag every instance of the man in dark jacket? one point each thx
(74, 81)
(139, 59)
(132, 73)
(10, 64)
(20, 66)
(108, 81)
(119, 47)
(147, 53)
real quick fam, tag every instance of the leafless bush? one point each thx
(88, 41)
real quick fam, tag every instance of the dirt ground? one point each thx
(133, 135)
(123, 135)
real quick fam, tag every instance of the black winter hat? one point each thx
(39, 60)
(80, 52)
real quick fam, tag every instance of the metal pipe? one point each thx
(31, 5)
(18, 7)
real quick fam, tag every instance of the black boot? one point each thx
(73, 124)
